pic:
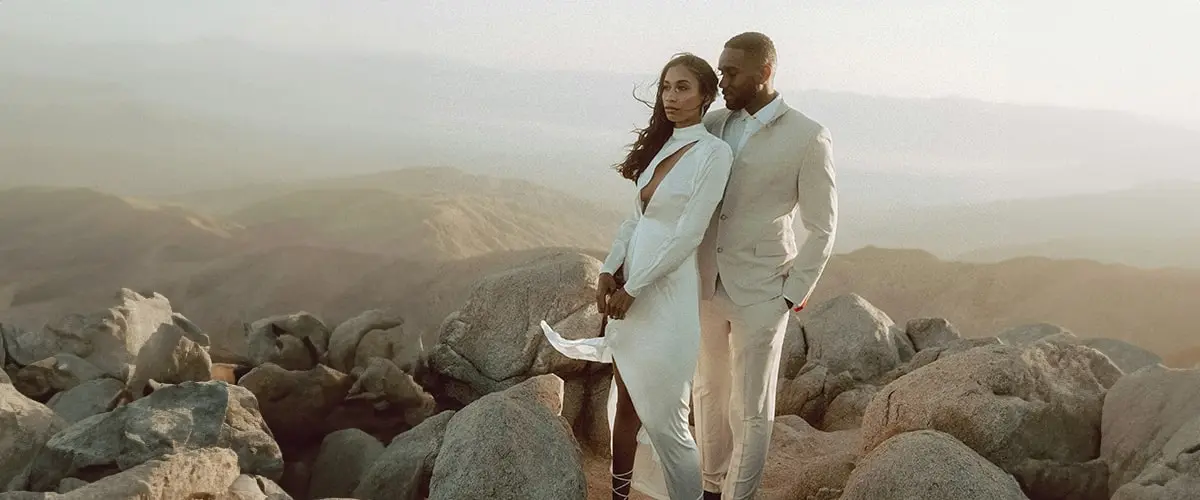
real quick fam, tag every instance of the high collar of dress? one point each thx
(689, 133)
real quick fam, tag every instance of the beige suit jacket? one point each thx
(784, 171)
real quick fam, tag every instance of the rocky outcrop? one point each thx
(25, 426)
(405, 468)
(177, 418)
(848, 334)
(293, 341)
(345, 340)
(341, 462)
(512, 445)
(1151, 434)
(1031, 411)
(929, 465)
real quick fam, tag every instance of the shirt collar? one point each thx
(767, 114)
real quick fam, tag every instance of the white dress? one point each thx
(656, 345)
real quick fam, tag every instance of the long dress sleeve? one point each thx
(708, 188)
(818, 206)
(620, 245)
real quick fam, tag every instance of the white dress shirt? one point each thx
(741, 124)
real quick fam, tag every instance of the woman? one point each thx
(653, 330)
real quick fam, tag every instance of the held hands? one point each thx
(619, 304)
(605, 287)
(611, 300)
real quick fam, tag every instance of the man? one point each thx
(752, 271)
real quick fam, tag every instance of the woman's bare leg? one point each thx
(626, 425)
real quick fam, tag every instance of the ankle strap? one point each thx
(626, 478)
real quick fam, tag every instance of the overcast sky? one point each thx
(1133, 56)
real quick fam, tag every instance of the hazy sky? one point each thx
(1114, 54)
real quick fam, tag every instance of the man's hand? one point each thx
(619, 304)
(605, 287)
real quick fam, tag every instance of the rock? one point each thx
(58, 373)
(1151, 421)
(931, 354)
(1128, 357)
(25, 426)
(84, 400)
(4, 379)
(111, 339)
(297, 404)
(847, 333)
(344, 457)
(904, 345)
(23, 347)
(200, 473)
(1023, 409)
(343, 342)
(248, 487)
(3, 349)
(401, 345)
(293, 341)
(70, 484)
(928, 465)
(846, 410)
(174, 419)
(511, 445)
(930, 332)
(795, 349)
(404, 469)
(494, 341)
(811, 392)
(169, 357)
(807, 463)
(1024, 335)
(387, 388)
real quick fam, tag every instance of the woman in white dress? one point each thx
(653, 330)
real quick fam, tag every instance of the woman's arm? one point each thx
(708, 188)
(620, 245)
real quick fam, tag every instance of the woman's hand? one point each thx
(619, 304)
(605, 287)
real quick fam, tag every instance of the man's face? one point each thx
(741, 78)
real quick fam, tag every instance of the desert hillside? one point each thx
(1149, 308)
(1150, 226)
(343, 247)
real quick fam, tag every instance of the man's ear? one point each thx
(767, 72)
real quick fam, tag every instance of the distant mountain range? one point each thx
(68, 250)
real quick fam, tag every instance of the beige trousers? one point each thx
(734, 390)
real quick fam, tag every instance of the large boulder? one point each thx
(1034, 411)
(405, 468)
(170, 356)
(1128, 357)
(811, 392)
(1151, 433)
(930, 332)
(55, 374)
(200, 473)
(848, 334)
(297, 404)
(111, 339)
(294, 341)
(494, 341)
(382, 384)
(84, 400)
(511, 445)
(173, 419)
(1023, 335)
(25, 426)
(928, 465)
(344, 341)
(401, 344)
(807, 463)
(342, 460)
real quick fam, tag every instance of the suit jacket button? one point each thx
(723, 216)
(719, 249)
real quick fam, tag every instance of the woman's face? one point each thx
(681, 96)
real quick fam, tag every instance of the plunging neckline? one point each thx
(682, 139)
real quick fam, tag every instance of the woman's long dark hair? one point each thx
(651, 139)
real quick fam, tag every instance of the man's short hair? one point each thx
(757, 45)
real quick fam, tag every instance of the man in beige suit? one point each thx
(753, 272)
